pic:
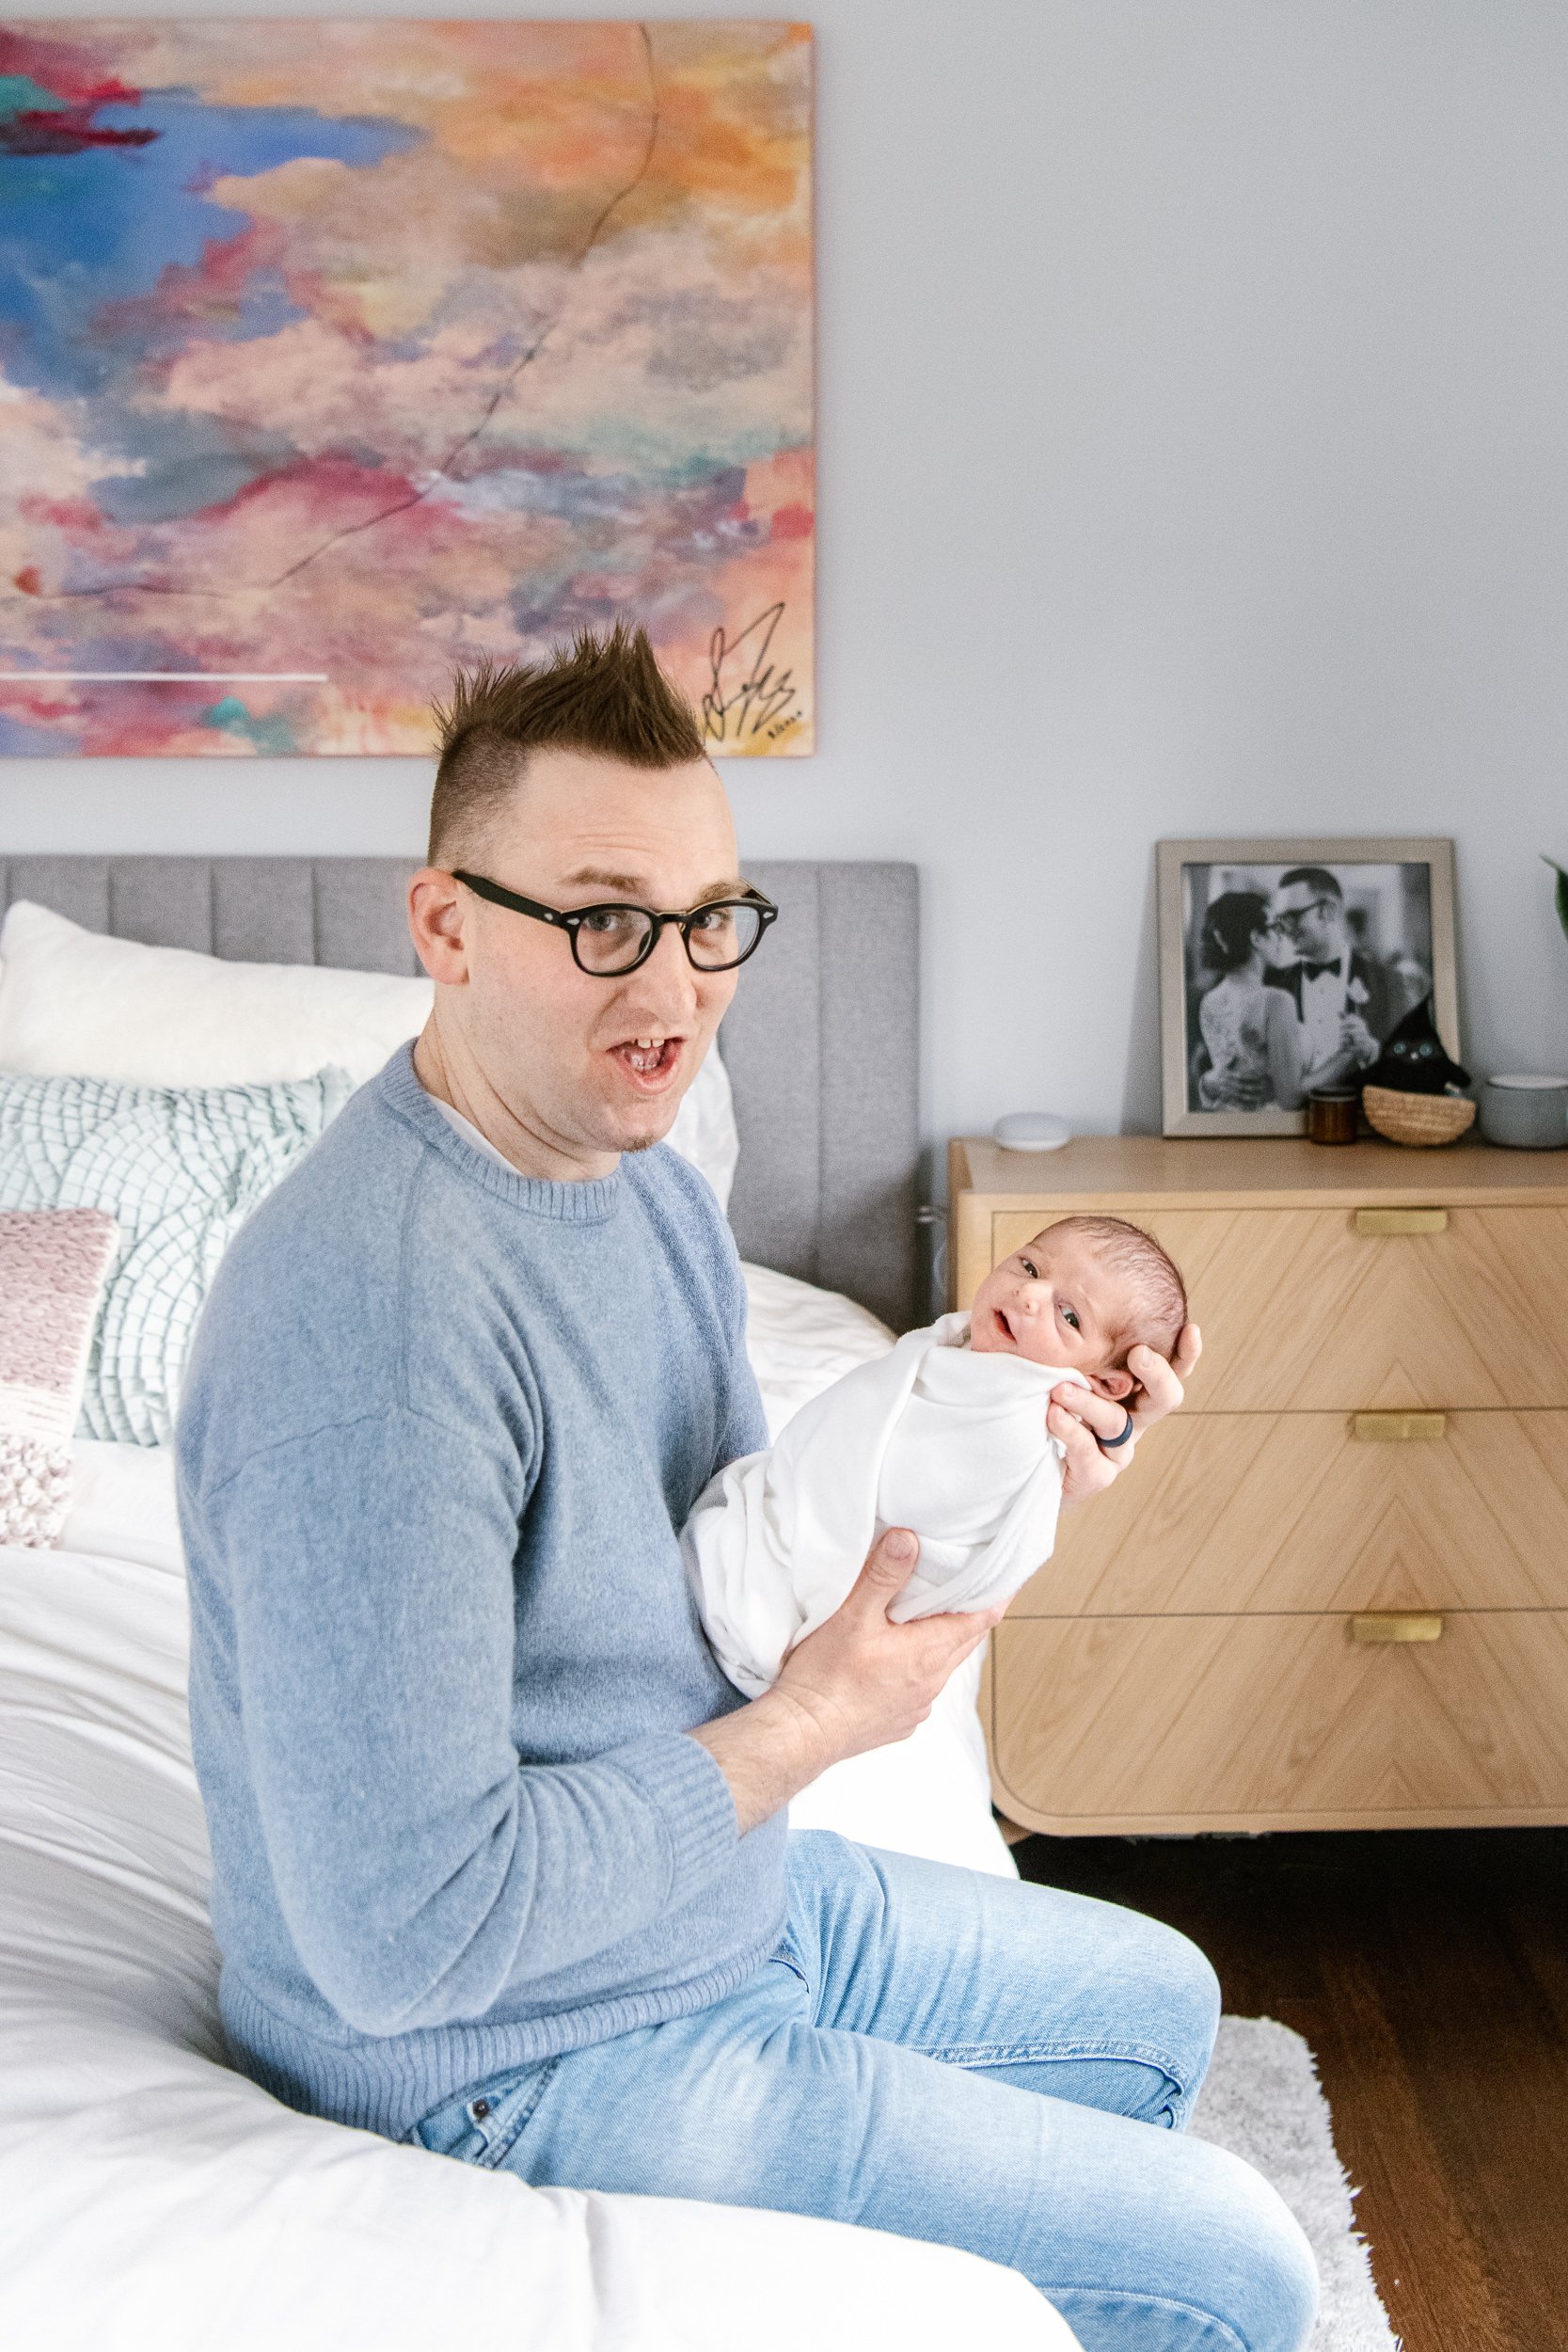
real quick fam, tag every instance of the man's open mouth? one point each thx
(649, 1061)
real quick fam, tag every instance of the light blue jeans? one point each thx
(945, 2055)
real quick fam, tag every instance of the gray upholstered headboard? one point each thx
(821, 1042)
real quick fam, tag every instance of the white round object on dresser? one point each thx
(1032, 1131)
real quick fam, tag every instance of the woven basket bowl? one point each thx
(1416, 1119)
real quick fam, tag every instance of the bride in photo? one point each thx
(1256, 1050)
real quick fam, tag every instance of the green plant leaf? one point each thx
(1562, 893)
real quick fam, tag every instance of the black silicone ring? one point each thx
(1109, 1445)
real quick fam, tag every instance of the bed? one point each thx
(148, 2193)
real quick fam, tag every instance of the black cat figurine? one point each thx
(1414, 1059)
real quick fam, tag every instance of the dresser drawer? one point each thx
(1236, 1513)
(1121, 1723)
(1303, 1312)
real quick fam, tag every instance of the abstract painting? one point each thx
(334, 356)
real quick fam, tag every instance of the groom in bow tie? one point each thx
(1341, 997)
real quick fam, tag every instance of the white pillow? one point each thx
(74, 1004)
(704, 1130)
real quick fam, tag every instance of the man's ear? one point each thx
(1117, 1386)
(436, 918)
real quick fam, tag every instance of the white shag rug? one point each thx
(1263, 2101)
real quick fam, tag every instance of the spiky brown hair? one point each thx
(605, 695)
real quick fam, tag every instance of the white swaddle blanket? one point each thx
(930, 1436)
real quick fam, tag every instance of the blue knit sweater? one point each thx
(441, 1426)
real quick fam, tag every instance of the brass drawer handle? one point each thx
(1379, 1221)
(1397, 1428)
(1396, 1626)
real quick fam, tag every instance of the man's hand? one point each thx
(1078, 1418)
(864, 1681)
(1228, 1091)
(1357, 1041)
(860, 1681)
(1356, 1049)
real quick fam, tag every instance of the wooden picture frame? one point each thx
(1394, 920)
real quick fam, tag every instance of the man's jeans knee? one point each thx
(1156, 2068)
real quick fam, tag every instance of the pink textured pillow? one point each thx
(52, 1266)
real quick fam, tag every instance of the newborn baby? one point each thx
(946, 1435)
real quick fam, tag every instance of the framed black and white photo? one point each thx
(1284, 966)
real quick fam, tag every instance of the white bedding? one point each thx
(151, 2197)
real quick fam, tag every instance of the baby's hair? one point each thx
(1162, 1294)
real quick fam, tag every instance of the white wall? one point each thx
(1194, 438)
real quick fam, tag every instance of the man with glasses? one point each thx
(500, 1864)
(1340, 995)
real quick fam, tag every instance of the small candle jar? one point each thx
(1333, 1114)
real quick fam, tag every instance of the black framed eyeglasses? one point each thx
(608, 940)
(1291, 921)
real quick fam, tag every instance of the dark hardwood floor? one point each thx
(1428, 1971)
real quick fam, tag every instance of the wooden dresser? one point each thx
(1332, 1593)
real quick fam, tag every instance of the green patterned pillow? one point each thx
(179, 1168)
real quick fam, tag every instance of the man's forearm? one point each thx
(767, 1752)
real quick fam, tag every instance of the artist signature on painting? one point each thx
(747, 697)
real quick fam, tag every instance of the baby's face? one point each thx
(1055, 1302)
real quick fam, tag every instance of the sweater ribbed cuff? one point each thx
(691, 1800)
